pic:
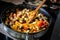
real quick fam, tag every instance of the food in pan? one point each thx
(19, 21)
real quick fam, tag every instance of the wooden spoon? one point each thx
(34, 12)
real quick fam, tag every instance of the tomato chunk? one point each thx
(25, 28)
(39, 23)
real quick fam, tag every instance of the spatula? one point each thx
(34, 12)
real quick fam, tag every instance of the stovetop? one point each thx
(47, 35)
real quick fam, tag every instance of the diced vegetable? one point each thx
(39, 23)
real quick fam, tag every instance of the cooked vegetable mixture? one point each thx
(19, 22)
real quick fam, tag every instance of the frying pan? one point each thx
(19, 35)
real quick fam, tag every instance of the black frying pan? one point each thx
(25, 36)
